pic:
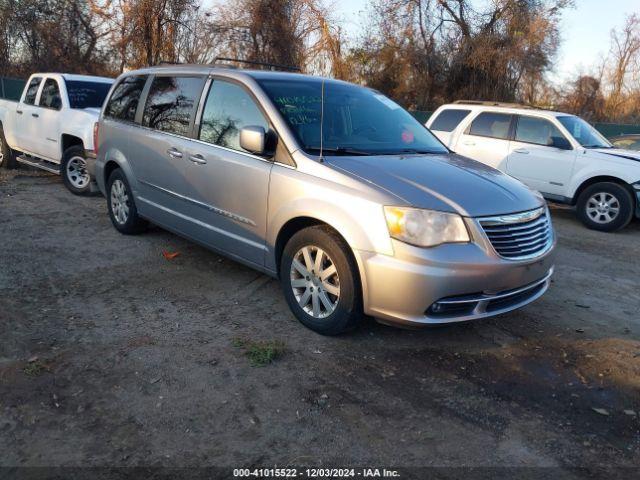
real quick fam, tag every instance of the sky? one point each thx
(585, 30)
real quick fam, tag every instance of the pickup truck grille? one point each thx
(519, 236)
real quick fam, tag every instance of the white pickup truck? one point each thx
(51, 127)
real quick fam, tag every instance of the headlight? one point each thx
(425, 228)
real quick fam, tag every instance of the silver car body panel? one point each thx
(238, 203)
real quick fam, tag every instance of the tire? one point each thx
(73, 169)
(605, 206)
(7, 157)
(336, 305)
(122, 208)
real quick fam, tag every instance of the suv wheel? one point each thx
(74, 171)
(320, 281)
(7, 159)
(605, 206)
(122, 209)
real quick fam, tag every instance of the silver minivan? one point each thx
(331, 187)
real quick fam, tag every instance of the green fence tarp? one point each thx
(11, 88)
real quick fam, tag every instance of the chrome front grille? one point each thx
(521, 235)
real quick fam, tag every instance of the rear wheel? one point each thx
(7, 158)
(320, 281)
(122, 209)
(605, 206)
(74, 171)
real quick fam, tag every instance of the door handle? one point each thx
(174, 153)
(471, 144)
(35, 115)
(19, 112)
(197, 158)
(524, 151)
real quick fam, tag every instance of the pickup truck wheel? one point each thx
(7, 158)
(605, 206)
(320, 281)
(122, 208)
(74, 171)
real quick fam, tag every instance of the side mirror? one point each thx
(561, 143)
(253, 139)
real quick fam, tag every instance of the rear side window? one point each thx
(87, 94)
(536, 130)
(171, 103)
(32, 91)
(489, 124)
(228, 110)
(125, 97)
(448, 120)
(50, 96)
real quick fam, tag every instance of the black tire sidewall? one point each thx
(8, 161)
(624, 198)
(348, 312)
(134, 223)
(69, 153)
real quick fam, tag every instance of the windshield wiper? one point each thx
(342, 151)
(419, 152)
(596, 146)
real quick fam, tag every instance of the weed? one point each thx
(260, 353)
(35, 369)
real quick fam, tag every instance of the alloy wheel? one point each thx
(603, 207)
(119, 201)
(314, 281)
(77, 172)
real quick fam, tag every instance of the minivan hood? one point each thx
(446, 182)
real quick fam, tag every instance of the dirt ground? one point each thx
(113, 355)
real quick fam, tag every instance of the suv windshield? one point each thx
(585, 134)
(86, 94)
(357, 120)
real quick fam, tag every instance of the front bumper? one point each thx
(468, 281)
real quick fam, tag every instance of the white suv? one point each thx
(559, 154)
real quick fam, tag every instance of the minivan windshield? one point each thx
(585, 134)
(84, 94)
(356, 120)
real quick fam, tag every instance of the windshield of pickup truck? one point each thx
(356, 120)
(585, 134)
(87, 94)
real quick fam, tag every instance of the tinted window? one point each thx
(494, 125)
(32, 90)
(171, 103)
(229, 108)
(536, 130)
(448, 120)
(124, 99)
(351, 120)
(87, 94)
(50, 96)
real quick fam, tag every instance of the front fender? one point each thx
(293, 194)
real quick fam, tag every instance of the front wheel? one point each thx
(605, 206)
(74, 171)
(320, 281)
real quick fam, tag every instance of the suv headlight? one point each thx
(425, 228)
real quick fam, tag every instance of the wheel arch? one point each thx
(67, 141)
(294, 225)
(600, 179)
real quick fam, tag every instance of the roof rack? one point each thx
(497, 104)
(272, 66)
